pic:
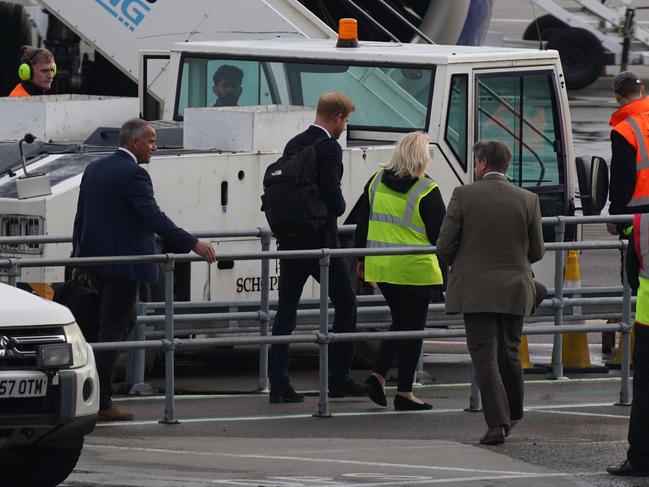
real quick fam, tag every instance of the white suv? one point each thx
(49, 390)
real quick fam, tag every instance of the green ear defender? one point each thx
(25, 72)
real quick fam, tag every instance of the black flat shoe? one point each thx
(627, 470)
(375, 391)
(286, 394)
(403, 404)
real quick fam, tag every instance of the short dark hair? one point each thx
(133, 128)
(627, 85)
(333, 103)
(494, 152)
(228, 72)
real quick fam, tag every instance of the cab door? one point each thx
(521, 109)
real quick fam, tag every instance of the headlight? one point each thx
(54, 356)
(78, 343)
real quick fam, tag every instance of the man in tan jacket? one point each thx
(490, 237)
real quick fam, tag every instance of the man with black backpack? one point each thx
(332, 114)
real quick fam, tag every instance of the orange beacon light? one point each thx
(347, 33)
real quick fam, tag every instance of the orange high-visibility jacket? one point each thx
(632, 122)
(19, 90)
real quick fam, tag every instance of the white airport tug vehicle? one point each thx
(208, 171)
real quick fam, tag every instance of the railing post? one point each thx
(262, 384)
(625, 335)
(13, 272)
(169, 414)
(323, 402)
(475, 400)
(556, 364)
(420, 374)
(136, 359)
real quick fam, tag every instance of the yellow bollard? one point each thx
(575, 353)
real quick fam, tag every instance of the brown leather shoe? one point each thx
(509, 427)
(494, 436)
(113, 413)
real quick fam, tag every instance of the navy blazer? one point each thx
(117, 215)
(330, 172)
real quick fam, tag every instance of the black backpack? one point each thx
(292, 200)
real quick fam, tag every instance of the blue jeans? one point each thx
(293, 274)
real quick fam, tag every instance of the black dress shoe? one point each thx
(347, 389)
(627, 470)
(375, 391)
(285, 394)
(404, 404)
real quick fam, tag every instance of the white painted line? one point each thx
(568, 406)
(425, 481)
(372, 412)
(576, 413)
(168, 451)
(256, 395)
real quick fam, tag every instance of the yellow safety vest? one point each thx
(641, 244)
(395, 222)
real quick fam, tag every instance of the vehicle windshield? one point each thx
(387, 97)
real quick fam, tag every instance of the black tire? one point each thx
(39, 465)
(547, 25)
(14, 33)
(582, 56)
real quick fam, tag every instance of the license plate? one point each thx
(18, 384)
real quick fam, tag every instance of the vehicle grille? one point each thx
(21, 226)
(18, 345)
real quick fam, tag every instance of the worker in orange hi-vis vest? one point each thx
(36, 72)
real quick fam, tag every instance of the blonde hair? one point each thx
(410, 156)
(35, 55)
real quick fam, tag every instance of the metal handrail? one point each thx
(323, 337)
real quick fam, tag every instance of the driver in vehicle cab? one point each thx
(227, 86)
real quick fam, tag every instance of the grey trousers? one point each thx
(494, 340)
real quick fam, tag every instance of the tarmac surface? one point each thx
(229, 434)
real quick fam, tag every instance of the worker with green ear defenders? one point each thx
(36, 72)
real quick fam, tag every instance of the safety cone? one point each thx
(575, 354)
(615, 364)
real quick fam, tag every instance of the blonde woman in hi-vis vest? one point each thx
(402, 206)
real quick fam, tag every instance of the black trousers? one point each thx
(116, 315)
(409, 306)
(638, 453)
(293, 274)
(494, 340)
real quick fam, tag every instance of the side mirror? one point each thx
(592, 176)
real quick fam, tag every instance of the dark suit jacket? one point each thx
(490, 237)
(330, 172)
(117, 215)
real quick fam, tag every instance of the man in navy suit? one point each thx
(117, 214)
(332, 114)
